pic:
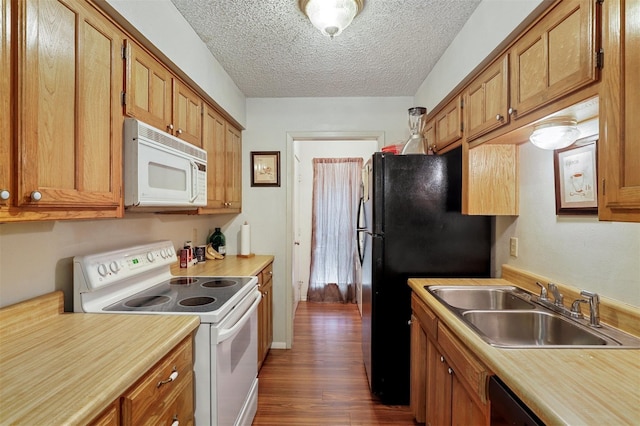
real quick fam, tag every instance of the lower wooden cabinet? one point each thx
(164, 395)
(265, 313)
(448, 384)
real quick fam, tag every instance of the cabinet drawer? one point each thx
(150, 397)
(468, 368)
(427, 318)
(267, 273)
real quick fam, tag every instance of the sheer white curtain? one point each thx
(336, 194)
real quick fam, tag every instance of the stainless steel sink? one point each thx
(531, 328)
(482, 297)
(509, 317)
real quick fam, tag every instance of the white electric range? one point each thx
(138, 280)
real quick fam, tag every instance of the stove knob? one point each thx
(171, 252)
(114, 267)
(163, 253)
(150, 257)
(102, 269)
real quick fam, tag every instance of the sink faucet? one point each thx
(558, 298)
(543, 291)
(594, 307)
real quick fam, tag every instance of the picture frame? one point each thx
(576, 178)
(265, 168)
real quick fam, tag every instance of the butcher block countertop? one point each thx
(231, 265)
(562, 386)
(66, 368)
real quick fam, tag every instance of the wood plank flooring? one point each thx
(322, 380)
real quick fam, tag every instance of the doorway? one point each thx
(301, 149)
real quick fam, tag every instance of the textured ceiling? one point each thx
(270, 49)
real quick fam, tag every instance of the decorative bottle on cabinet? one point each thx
(218, 241)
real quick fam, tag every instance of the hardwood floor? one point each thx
(322, 380)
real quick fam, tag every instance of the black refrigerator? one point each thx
(413, 227)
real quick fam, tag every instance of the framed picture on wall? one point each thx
(265, 168)
(576, 178)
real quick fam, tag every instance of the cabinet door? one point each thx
(148, 89)
(213, 141)
(438, 387)
(187, 114)
(449, 124)
(486, 99)
(619, 150)
(233, 192)
(464, 410)
(69, 117)
(555, 57)
(418, 370)
(6, 165)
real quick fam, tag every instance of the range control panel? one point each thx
(101, 269)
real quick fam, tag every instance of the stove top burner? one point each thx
(183, 281)
(142, 302)
(219, 283)
(197, 301)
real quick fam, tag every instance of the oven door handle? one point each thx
(228, 333)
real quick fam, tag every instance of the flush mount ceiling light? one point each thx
(555, 133)
(331, 16)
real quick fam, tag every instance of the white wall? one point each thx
(268, 122)
(306, 152)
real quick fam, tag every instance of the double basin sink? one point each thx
(509, 317)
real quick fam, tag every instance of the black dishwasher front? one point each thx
(507, 408)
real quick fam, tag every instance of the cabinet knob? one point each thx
(175, 421)
(171, 378)
(441, 358)
(449, 370)
(36, 196)
(4, 194)
(499, 117)
(170, 126)
(179, 131)
(512, 111)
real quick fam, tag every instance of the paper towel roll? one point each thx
(245, 239)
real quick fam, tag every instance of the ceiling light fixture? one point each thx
(331, 16)
(555, 133)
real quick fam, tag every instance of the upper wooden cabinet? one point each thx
(6, 177)
(67, 131)
(486, 100)
(555, 57)
(448, 124)
(619, 144)
(153, 95)
(223, 145)
(430, 135)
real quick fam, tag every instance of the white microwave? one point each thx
(161, 172)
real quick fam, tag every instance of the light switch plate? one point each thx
(513, 246)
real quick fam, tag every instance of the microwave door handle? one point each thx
(194, 181)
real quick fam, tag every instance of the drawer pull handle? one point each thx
(175, 421)
(172, 377)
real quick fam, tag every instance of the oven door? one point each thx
(234, 395)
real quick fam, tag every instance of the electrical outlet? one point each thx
(513, 246)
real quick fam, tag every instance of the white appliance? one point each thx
(161, 172)
(138, 280)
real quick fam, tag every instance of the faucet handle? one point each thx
(557, 296)
(575, 308)
(543, 291)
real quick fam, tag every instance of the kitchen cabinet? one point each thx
(619, 143)
(430, 135)
(491, 180)
(66, 135)
(224, 175)
(109, 417)
(555, 57)
(265, 313)
(448, 124)
(451, 381)
(6, 177)
(165, 393)
(155, 96)
(486, 100)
